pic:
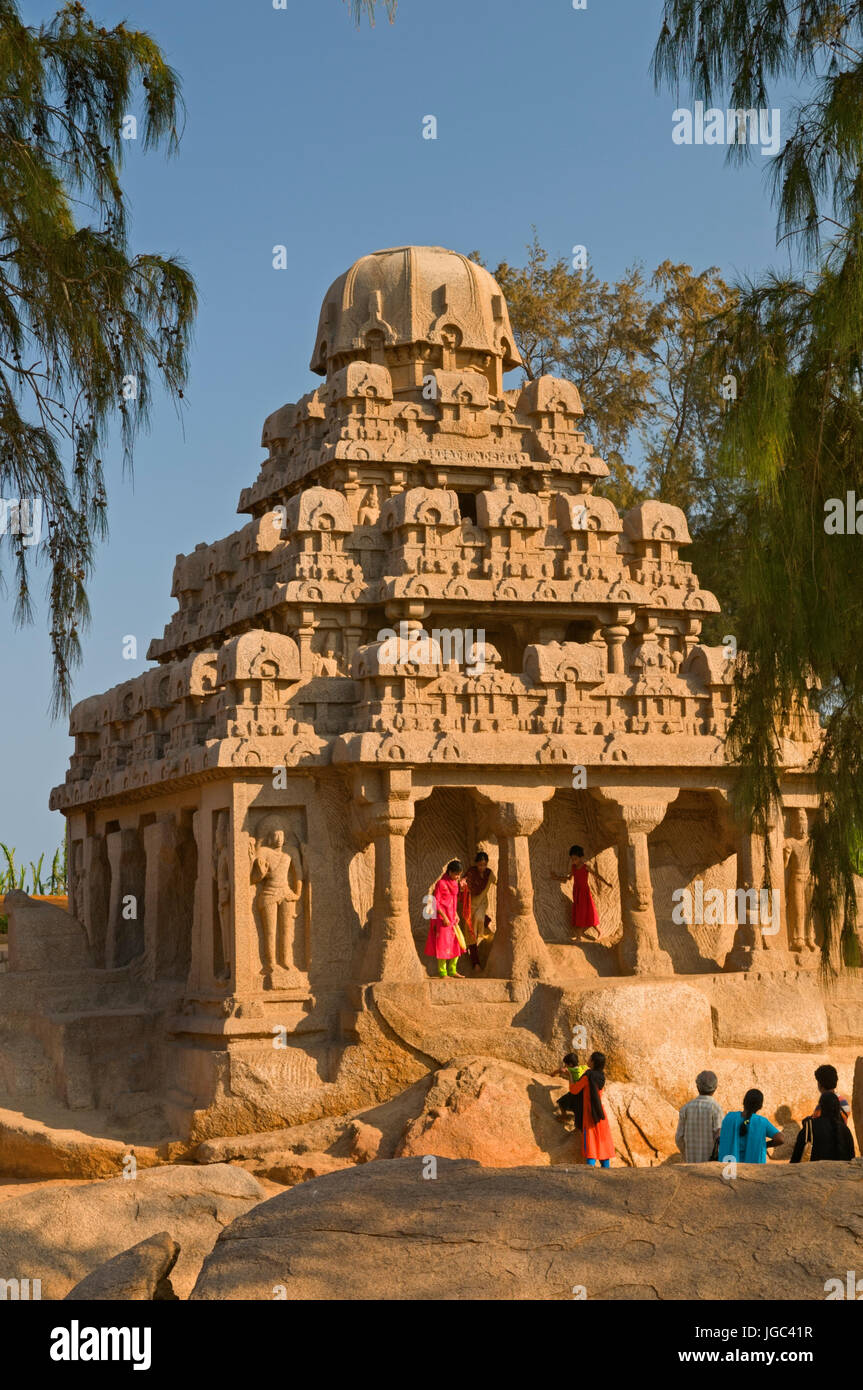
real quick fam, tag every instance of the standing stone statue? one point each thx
(277, 870)
(801, 928)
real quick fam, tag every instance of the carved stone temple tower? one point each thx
(277, 794)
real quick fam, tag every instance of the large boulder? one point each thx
(643, 1124)
(137, 1275)
(456, 1231)
(495, 1112)
(775, 1013)
(61, 1233)
(31, 1148)
(43, 936)
(657, 1034)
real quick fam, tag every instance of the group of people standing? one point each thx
(705, 1134)
(461, 917)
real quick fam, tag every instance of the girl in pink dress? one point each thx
(442, 941)
(585, 914)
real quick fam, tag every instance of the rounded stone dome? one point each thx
(414, 294)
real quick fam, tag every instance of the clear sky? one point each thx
(305, 132)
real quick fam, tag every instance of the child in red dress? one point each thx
(585, 914)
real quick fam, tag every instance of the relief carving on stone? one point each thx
(796, 851)
(279, 875)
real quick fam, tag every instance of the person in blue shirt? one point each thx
(745, 1135)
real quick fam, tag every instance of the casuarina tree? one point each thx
(87, 329)
(793, 441)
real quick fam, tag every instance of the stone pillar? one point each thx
(518, 952)
(96, 889)
(752, 947)
(638, 951)
(392, 952)
(167, 899)
(352, 637)
(126, 909)
(305, 633)
(615, 638)
(747, 949)
(159, 884)
(197, 962)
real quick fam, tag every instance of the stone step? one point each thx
(454, 993)
(466, 1014)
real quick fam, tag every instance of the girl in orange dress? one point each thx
(585, 914)
(596, 1140)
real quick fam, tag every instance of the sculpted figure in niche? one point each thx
(369, 509)
(223, 891)
(801, 928)
(277, 870)
(326, 663)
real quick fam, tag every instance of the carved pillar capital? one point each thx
(643, 817)
(634, 810)
(384, 818)
(382, 804)
(521, 817)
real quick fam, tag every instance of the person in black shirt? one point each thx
(831, 1137)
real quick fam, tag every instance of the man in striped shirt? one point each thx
(700, 1121)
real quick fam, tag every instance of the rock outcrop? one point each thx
(495, 1112)
(31, 1148)
(141, 1274)
(62, 1233)
(456, 1230)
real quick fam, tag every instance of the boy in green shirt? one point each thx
(573, 1071)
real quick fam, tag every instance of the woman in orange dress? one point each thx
(596, 1140)
(585, 913)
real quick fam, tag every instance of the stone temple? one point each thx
(254, 822)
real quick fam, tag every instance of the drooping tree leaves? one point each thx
(86, 327)
(793, 443)
(641, 352)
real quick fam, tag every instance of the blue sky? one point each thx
(305, 132)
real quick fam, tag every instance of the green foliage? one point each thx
(637, 350)
(569, 323)
(14, 875)
(78, 313)
(794, 439)
(58, 875)
(11, 877)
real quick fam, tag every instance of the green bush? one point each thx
(14, 875)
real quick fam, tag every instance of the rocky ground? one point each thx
(400, 1230)
(467, 1179)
